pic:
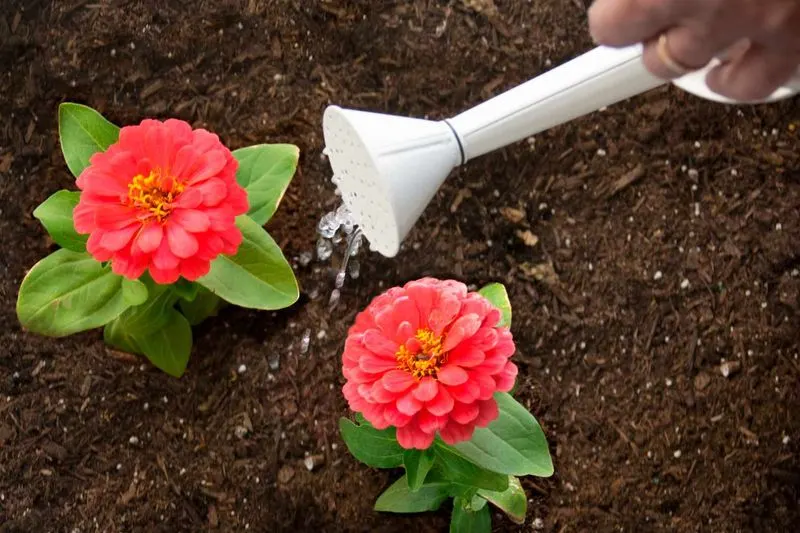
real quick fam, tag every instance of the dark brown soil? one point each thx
(621, 368)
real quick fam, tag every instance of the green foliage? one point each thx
(258, 276)
(417, 464)
(83, 132)
(55, 214)
(265, 171)
(512, 444)
(496, 293)
(399, 499)
(466, 519)
(68, 292)
(373, 447)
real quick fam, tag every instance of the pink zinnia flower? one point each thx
(163, 198)
(426, 358)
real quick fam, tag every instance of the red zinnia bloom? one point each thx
(426, 358)
(163, 198)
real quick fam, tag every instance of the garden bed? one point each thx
(668, 233)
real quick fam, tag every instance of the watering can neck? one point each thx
(597, 79)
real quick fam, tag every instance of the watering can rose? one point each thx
(428, 358)
(163, 198)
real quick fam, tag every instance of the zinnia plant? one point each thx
(165, 229)
(429, 377)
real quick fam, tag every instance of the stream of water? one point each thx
(335, 228)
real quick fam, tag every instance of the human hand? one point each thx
(760, 39)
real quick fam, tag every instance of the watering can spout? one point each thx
(389, 168)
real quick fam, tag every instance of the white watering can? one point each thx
(390, 167)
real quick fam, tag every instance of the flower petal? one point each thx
(375, 365)
(411, 436)
(191, 219)
(182, 243)
(463, 328)
(397, 380)
(452, 375)
(464, 413)
(116, 240)
(378, 344)
(408, 404)
(149, 237)
(466, 355)
(442, 404)
(426, 389)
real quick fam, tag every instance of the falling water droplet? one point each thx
(305, 341)
(340, 276)
(354, 268)
(334, 299)
(274, 360)
(324, 249)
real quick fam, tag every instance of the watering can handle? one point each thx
(599, 78)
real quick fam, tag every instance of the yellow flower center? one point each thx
(426, 359)
(154, 193)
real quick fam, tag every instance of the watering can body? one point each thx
(388, 168)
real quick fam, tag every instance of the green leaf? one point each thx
(258, 276)
(459, 470)
(204, 305)
(373, 447)
(265, 171)
(83, 132)
(67, 292)
(496, 293)
(512, 501)
(417, 464)
(55, 214)
(466, 520)
(154, 329)
(186, 289)
(169, 347)
(512, 444)
(398, 499)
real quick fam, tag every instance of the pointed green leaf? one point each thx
(512, 501)
(205, 304)
(459, 470)
(154, 329)
(258, 276)
(67, 292)
(55, 214)
(373, 447)
(466, 520)
(83, 132)
(512, 444)
(417, 464)
(169, 347)
(265, 171)
(496, 293)
(398, 499)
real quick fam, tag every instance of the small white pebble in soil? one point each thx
(583, 345)
(666, 339)
(658, 275)
(119, 466)
(778, 226)
(537, 523)
(165, 399)
(322, 334)
(763, 305)
(182, 472)
(685, 284)
(309, 462)
(242, 369)
(677, 454)
(697, 144)
(305, 341)
(334, 446)
(146, 406)
(591, 267)
(601, 152)
(240, 432)
(649, 454)
(668, 382)
(134, 440)
(785, 439)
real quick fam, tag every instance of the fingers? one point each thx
(681, 50)
(626, 22)
(754, 75)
